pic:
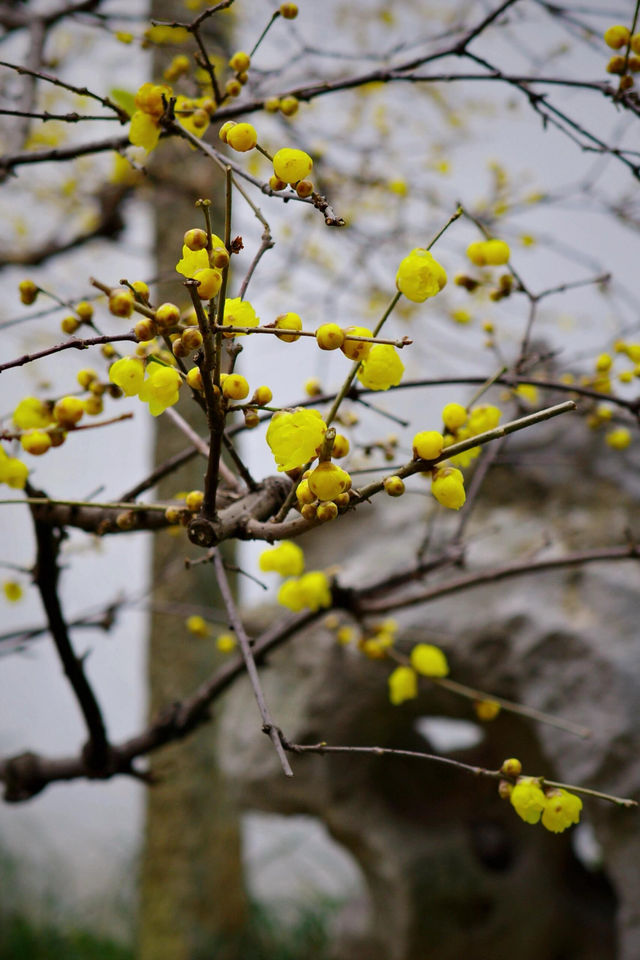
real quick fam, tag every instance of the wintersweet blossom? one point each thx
(381, 368)
(194, 260)
(311, 591)
(420, 276)
(528, 799)
(294, 436)
(561, 810)
(287, 559)
(13, 472)
(403, 685)
(32, 413)
(291, 165)
(160, 389)
(128, 374)
(429, 660)
(145, 123)
(239, 313)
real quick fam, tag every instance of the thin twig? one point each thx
(75, 343)
(324, 748)
(236, 624)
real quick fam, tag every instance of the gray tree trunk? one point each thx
(192, 895)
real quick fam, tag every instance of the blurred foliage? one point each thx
(20, 939)
(265, 937)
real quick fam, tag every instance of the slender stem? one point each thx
(206, 364)
(509, 705)
(74, 344)
(235, 622)
(482, 389)
(273, 19)
(452, 219)
(324, 748)
(93, 504)
(280, 331)
(419, 466)
(267, 244)
(588, 792)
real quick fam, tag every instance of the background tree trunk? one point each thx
(192, 892)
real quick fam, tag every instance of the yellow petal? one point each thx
(144, 131)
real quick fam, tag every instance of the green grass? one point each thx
(264, 937)
(22, 940)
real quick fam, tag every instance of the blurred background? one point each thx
(219, 860)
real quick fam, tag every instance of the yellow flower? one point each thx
(528, 800)
(12, 590)
(68, 411)
(561, 810)
(311, 592)
(128, 374)
(290, 595)
(327, 481)
(618, 439)
(239, 313)
(447, 486)
(294, 437)
(32, 413)
(194, 260)
(616, 36)
(160, 389)
(191, 115)
(180, 65)
(486, 709)
(403, 685)
(163, 33)
(242, 137)
(35, 442)
(235, 387)
(381, 368)
(287, 559)
(454, 415)
(226, 642)
(492, 253)
(13, 472)
(292, 165)
(356, 349)
(419, 276)
(145, 123)
(428, 660)
(528, 392)
(483, 418)
(428, 444)
(144, 131)
(198, 626)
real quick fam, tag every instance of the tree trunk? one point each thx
(192, 892)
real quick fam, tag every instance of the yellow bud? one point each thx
(121, 303)
(193, 501)
(326, 511)
(145, 329)
(28, 291)
(69, 324)
(289, 11)
(329, 336)
(393, 486)
(240, 61)
(194, 379)
(289, 106)
(167, 316)
(84, 310)
(195, 239)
